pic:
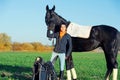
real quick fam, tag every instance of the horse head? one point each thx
(53, 20)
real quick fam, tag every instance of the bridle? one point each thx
(52, 39)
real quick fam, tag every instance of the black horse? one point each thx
(106, 37)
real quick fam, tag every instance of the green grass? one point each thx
(18, 65)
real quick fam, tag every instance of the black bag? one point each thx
(43, 70)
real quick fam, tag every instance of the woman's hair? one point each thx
(63, 23)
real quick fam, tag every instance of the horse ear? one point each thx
(47, 8)
(53, 8)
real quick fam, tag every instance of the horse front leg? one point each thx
(70, 69)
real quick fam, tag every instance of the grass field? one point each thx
(18, 65)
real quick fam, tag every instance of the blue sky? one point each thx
(24, 20)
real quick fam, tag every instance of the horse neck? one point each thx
(68, 23)
(62, 20)
(65, 21)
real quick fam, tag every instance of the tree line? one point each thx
(7, 45)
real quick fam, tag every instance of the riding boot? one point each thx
(61, 75)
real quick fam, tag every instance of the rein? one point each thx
(39, 68)
(53, 42)
(53, 39)
(35, 73)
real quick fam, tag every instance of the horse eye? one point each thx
(48, 15)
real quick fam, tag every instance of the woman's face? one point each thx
(63, 28)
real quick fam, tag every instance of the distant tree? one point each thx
(34, 46)
(48, 48)
(5, 42)
(7, 45)
(27, 46)
(16, 46)
(38, 46)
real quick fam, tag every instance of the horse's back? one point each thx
(104, 32)
(106, 28)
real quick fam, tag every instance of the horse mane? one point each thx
(63, 20)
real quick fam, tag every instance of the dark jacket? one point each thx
(63, 45)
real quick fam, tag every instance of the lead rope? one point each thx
(53, 42)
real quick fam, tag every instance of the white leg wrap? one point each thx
(107, 78)
(115, 72)
(74, 73)
(68, 75)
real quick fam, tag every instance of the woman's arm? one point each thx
(69, 50)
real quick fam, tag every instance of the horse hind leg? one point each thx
(108, 73)
(115, 73)
(111, 51)
(112, 67)
(109, 68)
(114, 59)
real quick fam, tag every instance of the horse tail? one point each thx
(119, 40)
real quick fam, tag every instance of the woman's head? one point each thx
(63, 28)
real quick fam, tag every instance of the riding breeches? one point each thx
(61, 57)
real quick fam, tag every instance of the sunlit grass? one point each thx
(18, 65)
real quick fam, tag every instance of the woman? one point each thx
(61, 49)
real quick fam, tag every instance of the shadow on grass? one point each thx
(16, 72)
